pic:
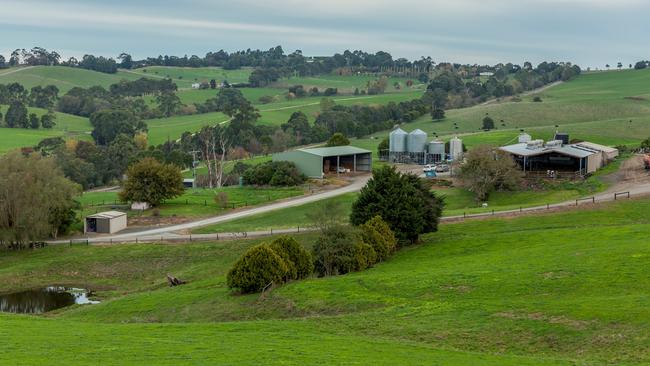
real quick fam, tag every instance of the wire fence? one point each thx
(173, 238)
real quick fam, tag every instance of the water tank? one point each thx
(455, 148)
(437, 147)
(417, 141)
(524, 137)
(397, 140)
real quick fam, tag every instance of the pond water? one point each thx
(43, 300)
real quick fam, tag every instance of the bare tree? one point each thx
(215, 144)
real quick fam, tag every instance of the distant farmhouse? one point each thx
(559, 158)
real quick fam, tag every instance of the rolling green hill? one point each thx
(64, 78)
(555, 289)
(610, 108)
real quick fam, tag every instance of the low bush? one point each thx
(298, 259)
(257, 268)
(376, 233)
(274, 173)
(340, 250)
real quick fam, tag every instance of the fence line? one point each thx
(298, 229)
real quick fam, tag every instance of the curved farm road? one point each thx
(630, 179)
(168, 231)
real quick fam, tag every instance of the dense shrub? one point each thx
(402, 200)
(274, 173)
(338, 139)
(376, 233)
(339, 250)
(257, 268)
(298, 259)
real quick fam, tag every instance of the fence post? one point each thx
(205, 202)
(521, 209)
(70, 242)
(298, 228)
(548, 206)
(136, 240)
(593, 199)
(464, 216)
(576, 202)
(271, 231)
(87, 242)
(492, 211)
(190, 238)
(217, 236)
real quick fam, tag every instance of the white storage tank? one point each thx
(437, 147)
(397, 140)
(456, 148)
(524, 137)
(417, 141)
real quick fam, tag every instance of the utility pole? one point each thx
(194, 162)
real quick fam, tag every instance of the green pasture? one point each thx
(346, 83)
(566, 288)
(184, 77)
(67, 125)
(64, 78)
(196, 202)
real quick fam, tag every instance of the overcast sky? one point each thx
(586, 32)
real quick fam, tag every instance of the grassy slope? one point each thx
(592, 107)
(197, 202)
(184, 77)
(66, 125)
(64, 78)
(473, 293)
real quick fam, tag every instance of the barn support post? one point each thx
(338, 164)
(355, 163)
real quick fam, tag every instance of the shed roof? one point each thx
(335, 151)
(570, 150)
(598, 147)
(107, 215)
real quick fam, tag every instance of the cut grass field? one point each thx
(555, 289)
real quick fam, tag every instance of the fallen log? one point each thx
(173, 281)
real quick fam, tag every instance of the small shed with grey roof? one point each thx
(108, 222)
(316, 162)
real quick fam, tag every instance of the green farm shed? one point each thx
(317, 162)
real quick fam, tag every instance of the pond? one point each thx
(42, 300)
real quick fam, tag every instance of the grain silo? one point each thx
(397, 141)
(455, 148)
(436, 150)
(417, 141)
(436, 147)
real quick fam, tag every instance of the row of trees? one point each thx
(449, 89)
(17, 117)
(38, 96)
